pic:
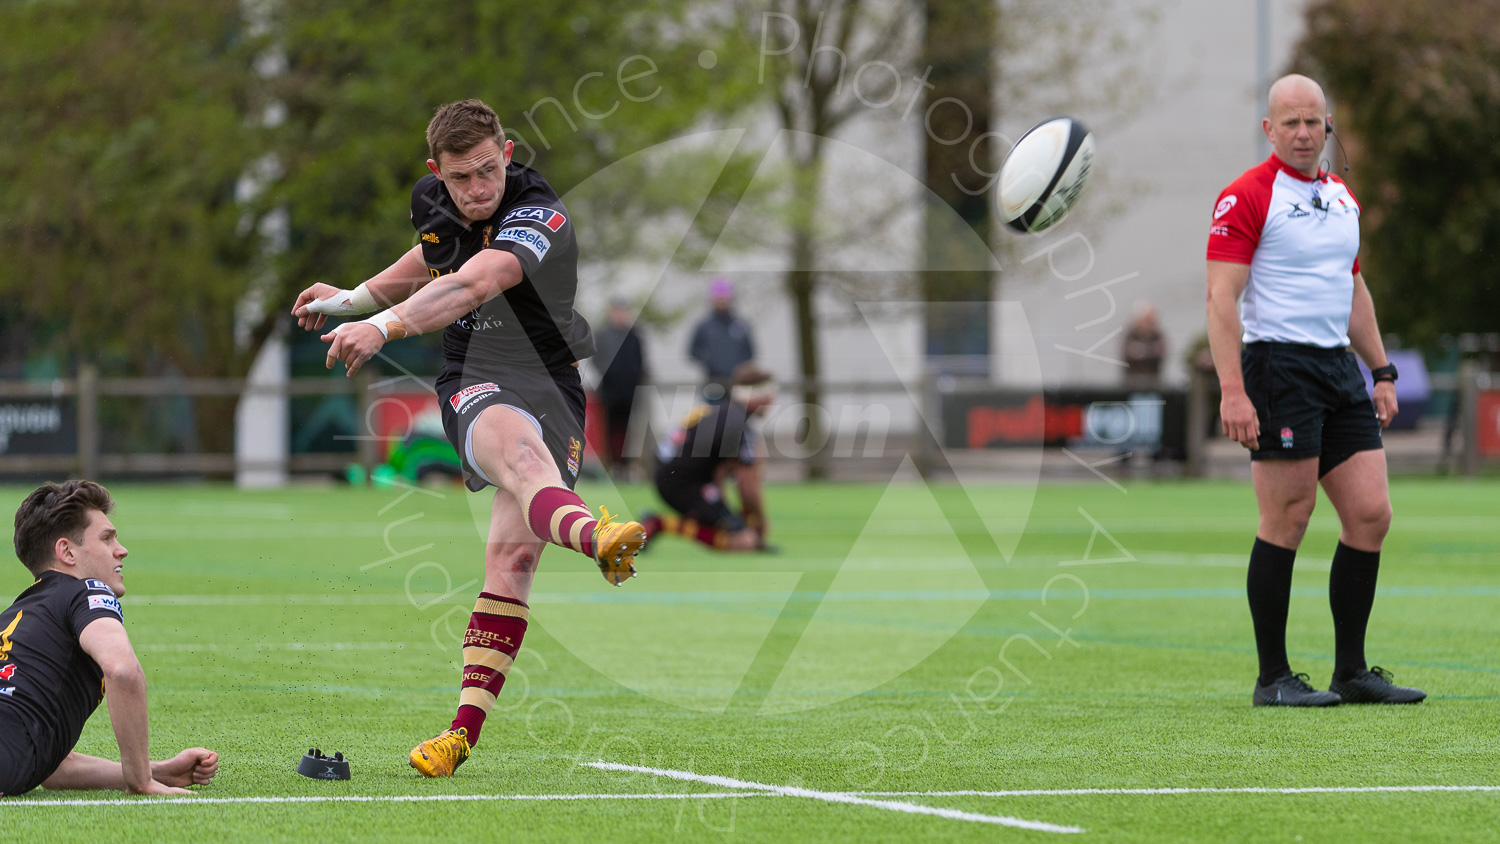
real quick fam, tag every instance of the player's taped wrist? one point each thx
(345, 303)
(391, 327)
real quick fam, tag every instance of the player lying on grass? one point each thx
(495, 268)
(714, 444)
(63, 647)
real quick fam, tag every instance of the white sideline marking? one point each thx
(194, 647)
(1070, 792)
(390, 798)
(832, 797)
(777, 791)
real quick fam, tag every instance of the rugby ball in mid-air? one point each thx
(1044, 174)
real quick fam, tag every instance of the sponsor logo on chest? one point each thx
(546, 216)
(529, 238)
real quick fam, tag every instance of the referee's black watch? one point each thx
(1384, 373)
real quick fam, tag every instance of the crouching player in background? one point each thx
(713, 444)
(63, 645)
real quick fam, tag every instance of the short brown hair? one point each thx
(459, 127)
(54, 511)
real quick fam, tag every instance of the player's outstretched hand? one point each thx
(194, 766)
(1239, 420)
(305, 318)
(1385, 403)
(353, 343)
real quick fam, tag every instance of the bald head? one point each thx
(1296, 113)
(1292, 90)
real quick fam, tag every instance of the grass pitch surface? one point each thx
(909, 642)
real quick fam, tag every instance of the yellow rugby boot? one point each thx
(615, 547)
(441, 756)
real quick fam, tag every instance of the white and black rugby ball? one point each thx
(1044, 173)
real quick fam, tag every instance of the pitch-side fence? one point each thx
(88, 460)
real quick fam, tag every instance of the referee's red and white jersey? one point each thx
(1300, 237)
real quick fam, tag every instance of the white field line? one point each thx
(1073, 792)
(831, 797)
(389, 798)
(721, 795)
(194, 647)
(735, 596)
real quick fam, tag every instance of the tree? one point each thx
(1415, 89)
(143, 147)
(815, 54)
(122, 136)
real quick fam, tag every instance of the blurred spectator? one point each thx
(622, 359)
(1144, 349)
(721, 341)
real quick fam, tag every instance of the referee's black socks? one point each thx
(1269, 585)
(1351, 594)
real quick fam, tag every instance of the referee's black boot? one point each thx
(1293, 690)
(1374, 686)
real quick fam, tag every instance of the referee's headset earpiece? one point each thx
(1328, 127)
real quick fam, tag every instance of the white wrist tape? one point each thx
(345, 303)
(391, 327)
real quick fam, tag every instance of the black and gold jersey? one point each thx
(48, 685)
(533, 324)
(707, 438)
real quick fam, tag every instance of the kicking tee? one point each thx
(1300, 237)
(49, 686)
(533, 324)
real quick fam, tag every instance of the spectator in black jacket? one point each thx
(721, 341)
(621, 358)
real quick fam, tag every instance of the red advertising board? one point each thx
(1489, 423)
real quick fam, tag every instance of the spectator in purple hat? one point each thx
(721, 341)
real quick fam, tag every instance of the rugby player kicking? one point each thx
(714, 444)
(1283, 247)
(63, 648)
(496, 267)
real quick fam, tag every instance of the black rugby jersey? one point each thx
(48, 684)
(710, 435)
(533, 324)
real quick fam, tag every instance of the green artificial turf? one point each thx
(906, 639)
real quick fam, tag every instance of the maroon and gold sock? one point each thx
(710, 536)
(494, 636)
(652, 524)
(557, 515)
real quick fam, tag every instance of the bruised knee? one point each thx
(513, 557)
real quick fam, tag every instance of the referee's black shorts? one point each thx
(1311, 402)
(553, 401)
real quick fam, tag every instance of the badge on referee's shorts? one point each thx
(1286, 437)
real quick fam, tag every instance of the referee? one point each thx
(1283, 246)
